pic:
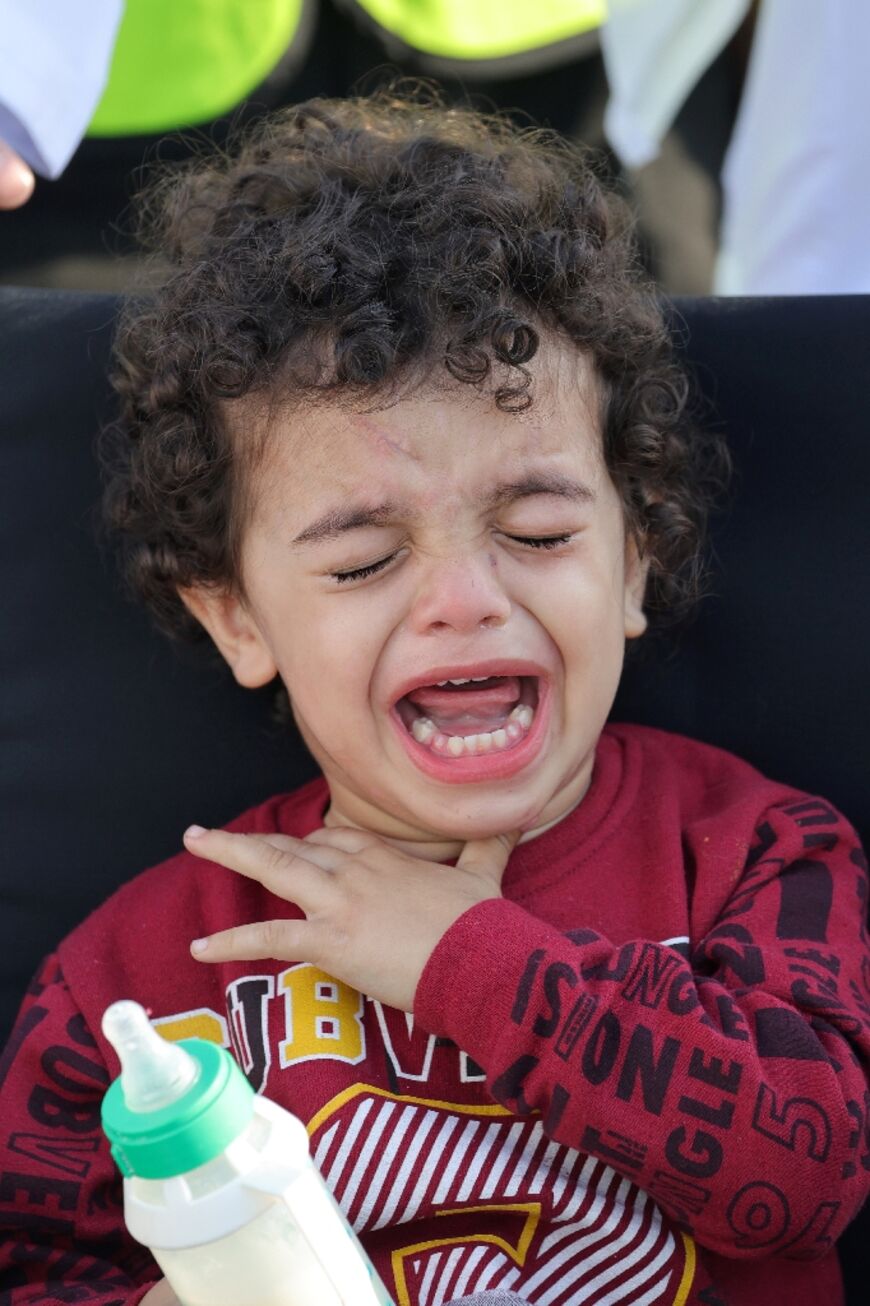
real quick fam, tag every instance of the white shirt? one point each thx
(54, 63)
(796, 177)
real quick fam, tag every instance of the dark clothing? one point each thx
(639, 1075)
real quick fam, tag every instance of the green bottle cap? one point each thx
(204, 1105)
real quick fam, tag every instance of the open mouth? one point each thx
(470, 718)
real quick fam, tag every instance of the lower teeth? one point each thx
(428, 734)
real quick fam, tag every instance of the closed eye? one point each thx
(540, 541)
(532, 542)
(359, 573)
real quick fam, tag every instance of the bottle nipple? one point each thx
(154, 1072)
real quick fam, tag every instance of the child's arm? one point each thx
(61, 1223)
(732, 1087)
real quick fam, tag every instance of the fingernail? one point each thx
(194, 831)
(199, 945)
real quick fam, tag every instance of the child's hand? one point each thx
(373, 914)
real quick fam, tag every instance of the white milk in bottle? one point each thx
(219, 1183)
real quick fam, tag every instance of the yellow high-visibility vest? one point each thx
(524, 33)
(178, 63)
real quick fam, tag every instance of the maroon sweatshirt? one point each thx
(640, 1077)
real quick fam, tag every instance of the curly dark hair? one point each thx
(343, 249)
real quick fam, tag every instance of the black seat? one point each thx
(111, 743)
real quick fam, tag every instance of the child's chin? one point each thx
(497, 819)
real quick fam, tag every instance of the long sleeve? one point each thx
(57, 59)
(731, 1084)
(62, 1233)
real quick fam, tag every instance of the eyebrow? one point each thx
(338, 521)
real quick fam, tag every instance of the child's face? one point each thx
(457, 596)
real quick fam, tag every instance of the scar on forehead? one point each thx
(380, 439)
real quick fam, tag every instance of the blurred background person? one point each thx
(741, 129)
(126, 76)
(788, 209)
(55, 61)
(137, 77)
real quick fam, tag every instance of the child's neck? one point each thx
(431, 849)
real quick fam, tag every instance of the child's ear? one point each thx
(235, 632)
(636, 571)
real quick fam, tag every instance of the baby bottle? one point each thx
(219, 1183)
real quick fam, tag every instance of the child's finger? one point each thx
(488, 857)
(293, 876)
(279, 939)
(302, 848)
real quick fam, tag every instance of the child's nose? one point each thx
(461, 594)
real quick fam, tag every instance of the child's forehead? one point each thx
(436, 439)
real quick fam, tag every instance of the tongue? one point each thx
(490, 700)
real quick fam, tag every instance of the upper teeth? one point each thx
(470, 680)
